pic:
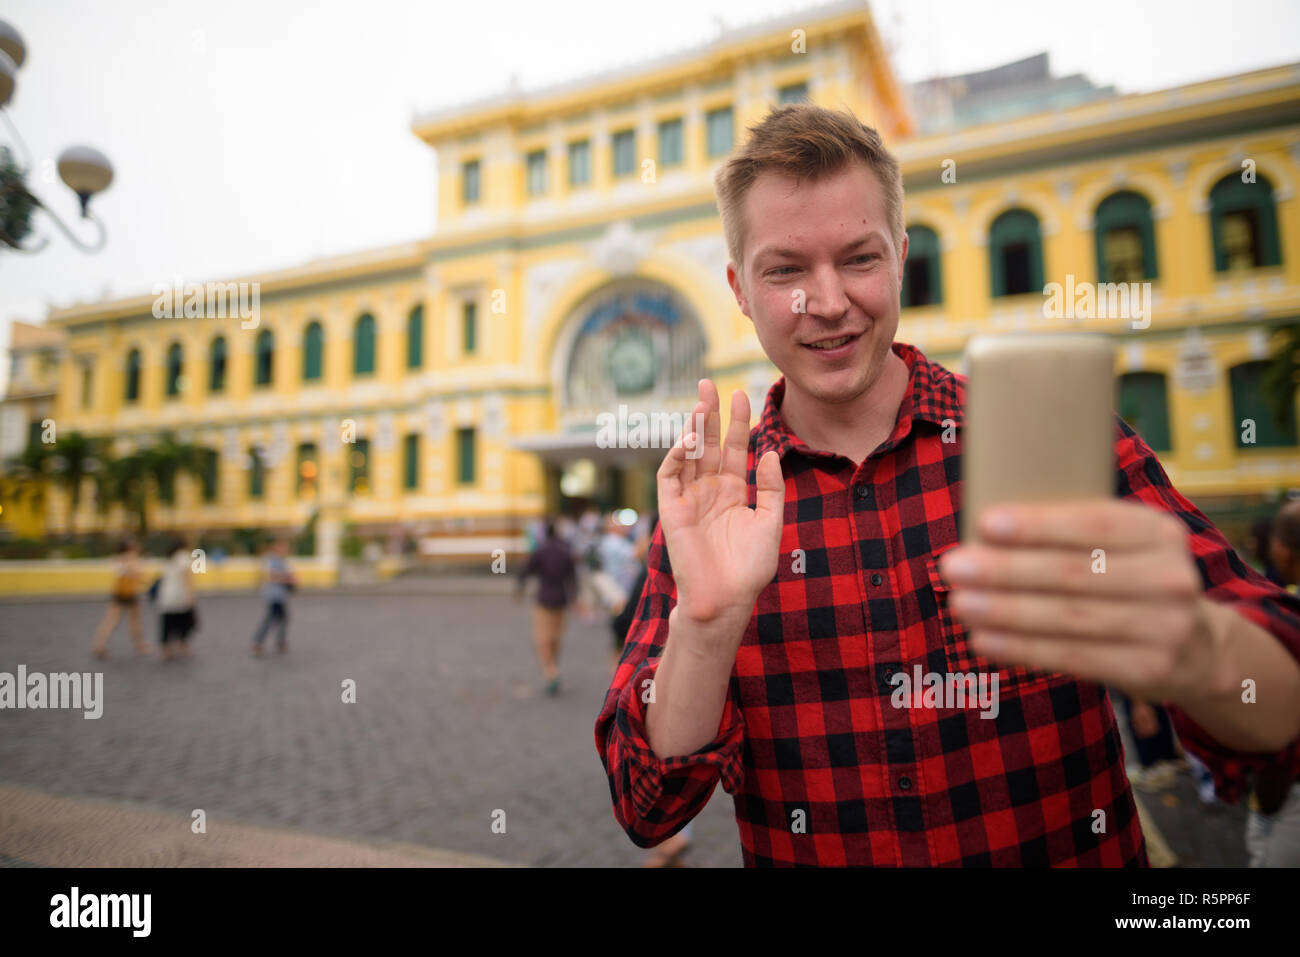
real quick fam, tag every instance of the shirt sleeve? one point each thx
(656, 797)
(1226, 579)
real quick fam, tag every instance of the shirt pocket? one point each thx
(961, 657)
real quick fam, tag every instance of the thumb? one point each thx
(771, 484)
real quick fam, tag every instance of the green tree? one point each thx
(1282, 377)
(76, 457)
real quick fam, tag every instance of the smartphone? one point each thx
(1040, 421)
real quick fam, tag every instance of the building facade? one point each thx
(455, 388)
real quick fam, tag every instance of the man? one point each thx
(552, 563)
(1273, 821)
(815, 558)
(278, 581)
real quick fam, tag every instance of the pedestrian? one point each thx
(177, 608)
(124, 599)
(618, 566)
(622, 620)
(553, 565)
(278, 581)
(1273, 819)
(1157, 748)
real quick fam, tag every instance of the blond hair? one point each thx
(806, 142)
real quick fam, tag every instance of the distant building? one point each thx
(578, 266)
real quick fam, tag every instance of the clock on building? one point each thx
(632, 362)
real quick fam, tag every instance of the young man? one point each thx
(278, 581)
(814, 559)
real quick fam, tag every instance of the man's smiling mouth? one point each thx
(830, 344)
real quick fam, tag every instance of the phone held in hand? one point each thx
(1040, 423)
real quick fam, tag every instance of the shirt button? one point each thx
(876, 579)
(905, 783)
(861, 492)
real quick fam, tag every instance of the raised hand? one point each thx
(723, 552)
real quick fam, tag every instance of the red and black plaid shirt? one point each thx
(808, 724)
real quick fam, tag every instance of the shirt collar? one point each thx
(934, 395)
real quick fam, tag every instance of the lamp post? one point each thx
(84, 169)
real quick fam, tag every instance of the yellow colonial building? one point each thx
(451, 389)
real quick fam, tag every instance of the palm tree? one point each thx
(25, 475)
(1282, 377)
(77, 456)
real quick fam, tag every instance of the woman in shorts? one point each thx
(123, 600)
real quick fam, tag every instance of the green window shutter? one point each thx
(217, 365)
(175, 363)
(579, 163)
(469, 182)
(313, 352)
(411, 462)
(720, 131)
(256, 473)
(265, 354)
(363, 345)
(133, 375)
(535, 166)
(209, 474)
(87, 384)
(465, 456)
(1256, 202)
(1119, 211)
(1144, 405)
(469, 327)
(1014, 240)
(1250, 401)
(624, 152)
(359, 467)
(415, 338)
(922, 274)
(671, 147)
(794, 93)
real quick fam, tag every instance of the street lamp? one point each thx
(84, 169)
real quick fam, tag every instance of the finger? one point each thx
(1113, 524)
(771, 484)
(1072, 617)
(735, 447)
(694, 428)
(710, 455)
(1080, 571)
(1123, 666)
(669, 477)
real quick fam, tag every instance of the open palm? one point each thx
(722, 552)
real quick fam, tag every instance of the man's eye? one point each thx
(780, 270)
(866, 256)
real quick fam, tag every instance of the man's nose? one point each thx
(825, 295)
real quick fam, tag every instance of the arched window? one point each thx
(1144, 405)
(415, 338)
(922, 280)
(265, 352)
(175, 365)
(363, 345)
(308, 470)
(217, 365)
(208, 465)
(313, 352)
(133, 375)
(1016, 253)
(1243, 222)
(1126, 239)
(1253, 415)
(359, 467)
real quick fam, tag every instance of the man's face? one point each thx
(828, 240)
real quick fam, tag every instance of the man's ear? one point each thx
(737, 290)
(902, 260)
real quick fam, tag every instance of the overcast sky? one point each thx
(250, 135)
